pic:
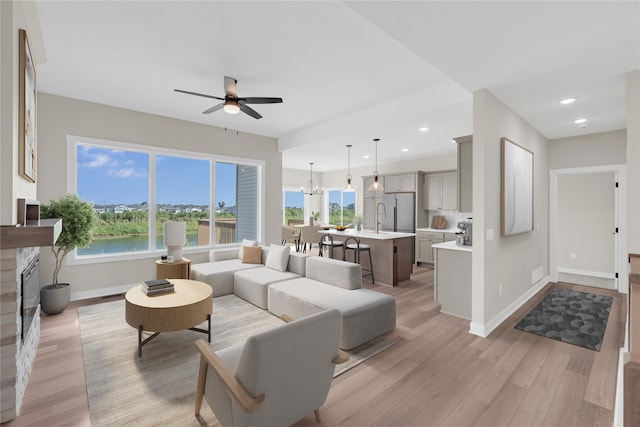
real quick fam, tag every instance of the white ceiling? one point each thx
(348, 71)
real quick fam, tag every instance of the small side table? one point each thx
(173, 270)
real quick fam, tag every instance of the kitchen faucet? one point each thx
(384, 215)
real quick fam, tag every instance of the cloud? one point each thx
(126, 173)
(97, 161)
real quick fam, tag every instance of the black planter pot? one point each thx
(55, 298)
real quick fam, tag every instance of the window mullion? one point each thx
(152, 201)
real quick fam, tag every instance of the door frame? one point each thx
(620, 218)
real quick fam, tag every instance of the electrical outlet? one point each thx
(499, 289)
(572, 255)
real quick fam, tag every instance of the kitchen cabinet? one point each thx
(465, 173)
(441, 192)
(452, 279)
(400, 183)
(424, 242)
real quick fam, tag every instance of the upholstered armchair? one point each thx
(310, 234)
(276, 377)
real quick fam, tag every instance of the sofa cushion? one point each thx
(278, 257)
(334, 272)
(252, 255)
(246, 242)
(219, 274)
(366, 314)
(252, 285)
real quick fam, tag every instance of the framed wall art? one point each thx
(517, 189)
(27, 116)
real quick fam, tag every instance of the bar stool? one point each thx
(358, 248)
(327, 241)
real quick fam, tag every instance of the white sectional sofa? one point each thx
(300, 285)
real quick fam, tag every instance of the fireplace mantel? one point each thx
(30, 231)
(44, 232)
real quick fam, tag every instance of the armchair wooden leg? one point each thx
(202, 373)
(317, 413)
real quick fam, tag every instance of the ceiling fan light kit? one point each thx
(375, 185)
(232, 103)
(231, 107)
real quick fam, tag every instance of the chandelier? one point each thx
(311, 188)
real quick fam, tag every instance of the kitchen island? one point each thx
(391, 253)
(452, 279)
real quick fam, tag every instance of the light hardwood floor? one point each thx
(437, 374)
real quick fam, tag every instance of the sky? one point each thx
(113, 176)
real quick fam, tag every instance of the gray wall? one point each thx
(59, 117)
(515, 263)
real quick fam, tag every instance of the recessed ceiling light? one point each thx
(366, 156)
(453, 140)
(405, 149)
(580, 121)
(568, 101)
(424, 129)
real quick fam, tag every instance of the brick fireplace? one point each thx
(19, 247)
(16, 352)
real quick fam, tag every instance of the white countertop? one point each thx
(452, 246)
(368, 234)
(440, 230)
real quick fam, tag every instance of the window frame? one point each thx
(326, 202)
(305, 203)
(73, 141)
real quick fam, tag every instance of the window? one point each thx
(342, 207)
(293, 209)
(135, 189)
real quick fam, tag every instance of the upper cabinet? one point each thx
(465, 173)
(441, 191)
(400, 183)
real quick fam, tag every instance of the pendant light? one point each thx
(375, 185)
(349, 178)
(311, 187)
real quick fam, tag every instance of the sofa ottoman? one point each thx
(366, 314)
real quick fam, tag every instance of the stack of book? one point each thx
(157, 287)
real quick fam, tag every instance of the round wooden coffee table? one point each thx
(190, 304)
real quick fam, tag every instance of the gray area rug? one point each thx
(573, 317)
(159, 388)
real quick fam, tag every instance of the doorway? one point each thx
(586, 221)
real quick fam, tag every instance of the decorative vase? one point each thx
(358, 227)
(55, 298)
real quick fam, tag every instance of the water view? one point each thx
(129, 244)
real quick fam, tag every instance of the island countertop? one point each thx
(391, 253)
(369, 234)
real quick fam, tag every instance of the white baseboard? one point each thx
(483, 330)
(102, 292)
(618, 409)
(598, 274)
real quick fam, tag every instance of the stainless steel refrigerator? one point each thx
(401, 212)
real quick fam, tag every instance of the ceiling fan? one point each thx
(232, 103)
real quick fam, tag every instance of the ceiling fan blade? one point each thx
(250, 111)
(258, 100)
(199, 94)
(230, 86)
(214, 108)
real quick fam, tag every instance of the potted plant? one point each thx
(78, 224)
(358, 220)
